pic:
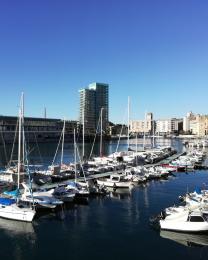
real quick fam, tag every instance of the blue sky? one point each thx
(154, 51)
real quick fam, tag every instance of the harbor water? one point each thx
(112, 227)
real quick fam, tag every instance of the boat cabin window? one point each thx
(196, 219)
(115, 179)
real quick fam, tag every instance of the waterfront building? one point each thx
(169, 126)
(186, 124)
(36, 129)
(196, 124)
(176, 125)
(87, 110)
(142, 126)
(199, 125)
(163, 126)
(203, 125)
(186, 121)
(92, 100)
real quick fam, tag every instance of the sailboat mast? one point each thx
(62, 148)
(144, 137)
(75, 156)
(136, 148)
(153, 130)
(101, 132)
(83, 133)
(128, 121)
(19, 148)
(23, 133)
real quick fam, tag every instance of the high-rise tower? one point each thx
(92, 100)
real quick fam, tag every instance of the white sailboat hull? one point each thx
(13, 212)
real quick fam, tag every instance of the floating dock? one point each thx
(107, 174)
(165, 161)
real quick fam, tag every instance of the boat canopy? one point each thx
(13, 193)
(7, 201)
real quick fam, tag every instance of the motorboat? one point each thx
(134, 177)
(64, 194)
(185, 221)
(116, 181)
(80, 188)
(40, 198)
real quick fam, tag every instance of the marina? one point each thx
(103, 216)
(103, 130)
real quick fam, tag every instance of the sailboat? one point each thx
(55, 172)
(11, 208)
(81, 188)
(9, 175)
(129, 155)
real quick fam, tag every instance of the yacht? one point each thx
(116, 181)
(79, 188)
(185, 221)
(64, 194)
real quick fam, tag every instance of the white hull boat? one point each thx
(116, 181)
(185, 221)
(11, 208)
(79, 188)
(41, 199)
(16, 212)
(109, 183)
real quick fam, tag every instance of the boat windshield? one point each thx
(205, 216)
(196, 219)
(115, 178)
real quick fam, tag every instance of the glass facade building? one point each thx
(92, 100)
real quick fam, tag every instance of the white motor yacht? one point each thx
(134, 177)
(185, 221)
(116, 181)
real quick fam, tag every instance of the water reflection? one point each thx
(120, 193)
(190, 240)
(146, 196)
(17, 228)
(43, 153)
